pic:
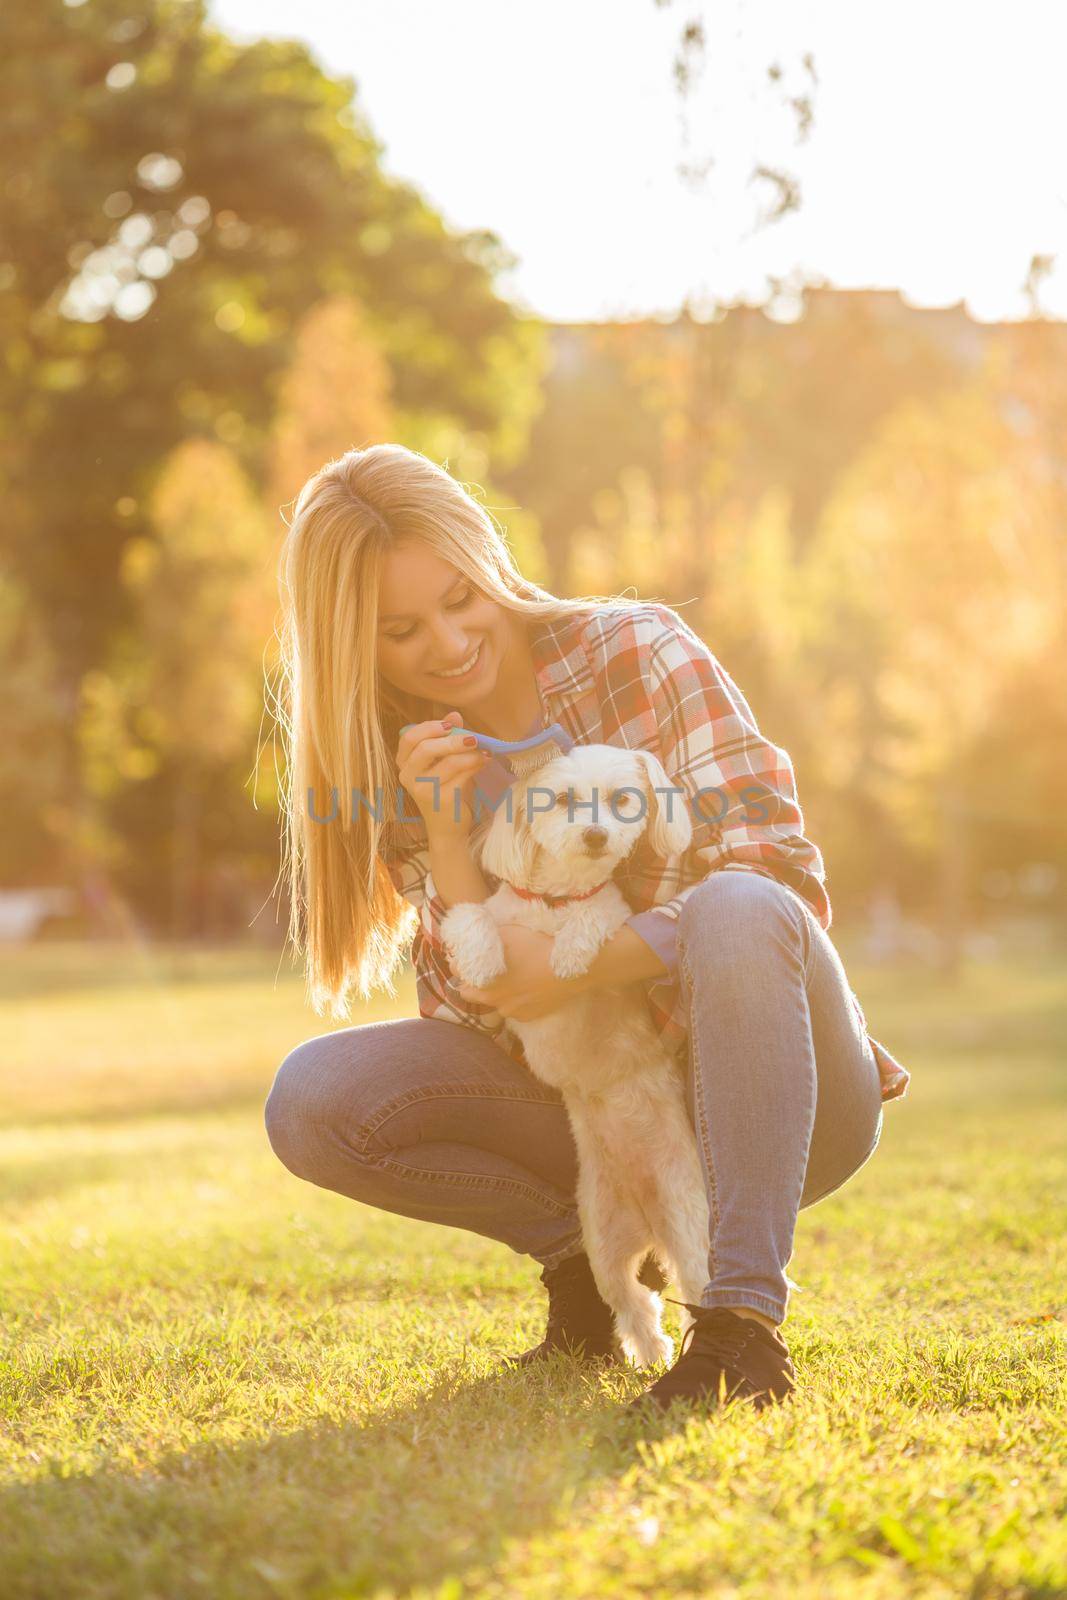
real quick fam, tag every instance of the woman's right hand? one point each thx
(430, 750)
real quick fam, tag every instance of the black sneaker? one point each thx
(724, 1356)
(579, 1321)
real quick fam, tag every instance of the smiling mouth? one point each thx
(468, 666)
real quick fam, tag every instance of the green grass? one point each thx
(218, 1381)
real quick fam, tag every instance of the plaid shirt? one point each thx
(640, 678)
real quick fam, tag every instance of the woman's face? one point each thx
(432, 620)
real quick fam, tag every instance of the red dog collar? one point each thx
(554, 899)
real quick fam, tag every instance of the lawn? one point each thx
(218, 1381)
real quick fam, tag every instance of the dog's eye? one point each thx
(563, 800)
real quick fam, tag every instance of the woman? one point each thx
(406, 617)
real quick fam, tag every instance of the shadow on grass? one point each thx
(412, 1497)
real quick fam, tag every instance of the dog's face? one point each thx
(573, 820)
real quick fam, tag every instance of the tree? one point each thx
(938, 561)
(182, 701)
(335, 395)
(174, 204)
(35, 718)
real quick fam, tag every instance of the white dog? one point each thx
(640, 1185)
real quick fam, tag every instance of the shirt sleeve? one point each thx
(739, 787)
(412, 878)
(661, 934)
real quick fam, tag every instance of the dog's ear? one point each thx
(508, 848)
(670, 831)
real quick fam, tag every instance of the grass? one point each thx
(218, 1381)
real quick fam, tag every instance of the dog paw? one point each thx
(642, 1351)
(475, 949)
(569, 961)
(659, 1349)
(645, 1348)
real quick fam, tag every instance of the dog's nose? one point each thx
(596, 838)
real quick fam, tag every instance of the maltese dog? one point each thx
(640, 1186)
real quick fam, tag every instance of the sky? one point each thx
(936, 165)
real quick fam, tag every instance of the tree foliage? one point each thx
(174, 204)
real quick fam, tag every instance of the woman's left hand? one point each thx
(529, 988)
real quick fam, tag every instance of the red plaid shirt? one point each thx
(640, 678)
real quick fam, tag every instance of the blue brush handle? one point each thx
(503, 747)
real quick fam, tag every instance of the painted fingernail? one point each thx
(469, 739)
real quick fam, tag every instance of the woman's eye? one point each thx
(455, 605)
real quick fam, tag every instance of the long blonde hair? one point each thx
(340, 722)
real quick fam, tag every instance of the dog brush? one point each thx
(523, 756)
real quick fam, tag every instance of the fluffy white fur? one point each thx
(640, 1185)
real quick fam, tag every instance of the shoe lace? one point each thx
(712, 1335)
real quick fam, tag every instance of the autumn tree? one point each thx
(174, 203)
(179, 706)
(938, 567)
(334, 396)
(35, 717)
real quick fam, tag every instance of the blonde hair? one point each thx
(340, 722)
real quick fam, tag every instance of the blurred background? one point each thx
(756, 310)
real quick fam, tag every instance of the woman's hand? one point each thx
(529, 988)
(430, 750)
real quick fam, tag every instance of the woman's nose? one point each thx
(450, 644)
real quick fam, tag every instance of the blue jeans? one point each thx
(430, 1119)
